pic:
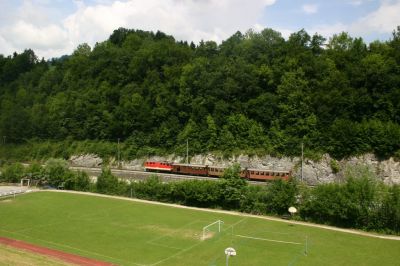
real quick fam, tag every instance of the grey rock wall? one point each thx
(314, 172)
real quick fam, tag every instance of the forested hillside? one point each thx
(255, 92)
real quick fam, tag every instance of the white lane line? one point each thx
(270, 240)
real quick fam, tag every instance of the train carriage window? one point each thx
(252, 172)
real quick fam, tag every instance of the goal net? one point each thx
(211, 229)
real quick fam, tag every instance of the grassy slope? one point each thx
(131, 233)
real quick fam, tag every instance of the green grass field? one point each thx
(133, 233)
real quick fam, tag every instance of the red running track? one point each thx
(70, 258)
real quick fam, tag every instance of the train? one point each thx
(214, 171)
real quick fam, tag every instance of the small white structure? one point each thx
(229, 252)
(26, 181)
(292, 210)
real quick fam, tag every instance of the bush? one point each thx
(56, 172)
(361, 202)
(34, 171)
(232, 187)
(152, 189)
(280, 196)
(335, 166)
(12, 173)
(196, 193)
(107, 183)
(78, 181)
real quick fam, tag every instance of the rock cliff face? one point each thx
(86, 160)
(325, 170)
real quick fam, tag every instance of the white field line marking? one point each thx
(152, 242)
(70, 247)
(101, 213)
(231, 227)
(238, 222)
(161, 245)
(176, 254)
(172, 233)
(30, 228)
(270, 240)
(269, 218)
(193, 246)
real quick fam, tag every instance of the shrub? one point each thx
(56, 172)
(107, 183)
(78, 181)
(335, 166)
(281, 195)
(12, 173)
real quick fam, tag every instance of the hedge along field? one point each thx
(135, 233)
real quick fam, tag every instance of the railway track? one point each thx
(143, 175)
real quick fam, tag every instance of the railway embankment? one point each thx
(324, 170)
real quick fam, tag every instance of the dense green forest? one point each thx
(254, 93)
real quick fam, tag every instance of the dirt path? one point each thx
(350, 231)
(70, 258)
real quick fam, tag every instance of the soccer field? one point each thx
(135, 233)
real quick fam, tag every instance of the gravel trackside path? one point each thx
(70, 258)
(350, 231)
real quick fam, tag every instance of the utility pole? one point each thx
(187, 151)
(118, 153)
(302, 155)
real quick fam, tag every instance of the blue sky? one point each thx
(56, 27)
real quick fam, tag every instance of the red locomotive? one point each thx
(214, 171)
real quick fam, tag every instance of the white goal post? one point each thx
(206, 229)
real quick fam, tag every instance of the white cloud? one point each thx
(384, 20)
(23, 35)
(191, 20)
(310, 9)
(356, 2)
(360, 2)
(328, 30)
(5, 47)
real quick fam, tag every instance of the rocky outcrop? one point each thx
(325, 170)
(86, 160)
